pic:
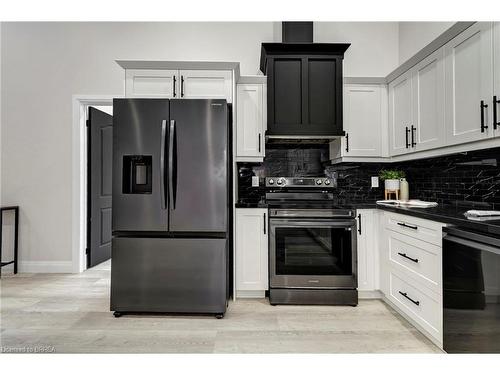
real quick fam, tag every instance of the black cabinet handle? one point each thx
(413, 143)
(174, 93)
(264, 223)
(408, 226)
(182, 86)
(495, 109)
(483, 126)
(407, 131)
(405, 295)
(346, 142)
(407, 257)
(359, 219)
(259, 142)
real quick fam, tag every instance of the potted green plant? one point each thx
(391, 178)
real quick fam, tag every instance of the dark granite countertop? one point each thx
(448, 214)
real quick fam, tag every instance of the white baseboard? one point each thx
(369, 294)
(250, 293)
(46, 267)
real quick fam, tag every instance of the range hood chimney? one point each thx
(297, 32)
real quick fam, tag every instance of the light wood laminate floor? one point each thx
(70, 313)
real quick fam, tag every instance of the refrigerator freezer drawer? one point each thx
(169, 275)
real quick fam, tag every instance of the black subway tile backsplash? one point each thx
(464, 178)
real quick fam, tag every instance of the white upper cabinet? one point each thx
(469, 84)
(400, 114)
(179, 84)
(146, 83)
(251, 252)
(427, 127)
(250, 122)
(496, 76)
(206, 84)
(363, 120)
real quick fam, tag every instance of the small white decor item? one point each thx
(404, 191)
(392, 184)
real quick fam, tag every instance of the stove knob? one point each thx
(270, 181)
(280, 181)
(327, 182)
(319, 182)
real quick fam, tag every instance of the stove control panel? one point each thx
(301, 182)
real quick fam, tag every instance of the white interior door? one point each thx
(469, 82)
(400, 116)
(363, 120)
(250, 121)
(206, 84)
(145, 83)
(428, 102)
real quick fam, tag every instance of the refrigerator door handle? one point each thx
(162, 163)
(171, 136)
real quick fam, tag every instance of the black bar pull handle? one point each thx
(407, 257)
(182, 86)
(259, 141)
(171, 164)
(413, 142)
(483, 125)
(405, 295)
(407, 131)
(346, 142)
(162, 162)
(496, 101)
(265, 223)
(174, 82)
(359, 220)
(408, 226)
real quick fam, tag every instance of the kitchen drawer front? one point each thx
(417, 259)
(420, 304)
(425, 230)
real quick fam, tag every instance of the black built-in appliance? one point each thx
(312, 256)
(471, 291)
(171, 201)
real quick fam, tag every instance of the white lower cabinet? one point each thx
(411, 270)
(368, 263)
(251, 253)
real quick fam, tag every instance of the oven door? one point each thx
(313, 253)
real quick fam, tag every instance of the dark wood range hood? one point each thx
(304, 86)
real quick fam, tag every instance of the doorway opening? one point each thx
(81, 157)
(99, 184)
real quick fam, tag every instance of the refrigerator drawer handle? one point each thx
(171, 164)
(162, 163)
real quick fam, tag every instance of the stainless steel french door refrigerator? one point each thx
(170, 206)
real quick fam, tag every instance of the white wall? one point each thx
(374, 45)
(413, 36)
(44, 64)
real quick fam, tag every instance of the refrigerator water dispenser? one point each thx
(137, 178)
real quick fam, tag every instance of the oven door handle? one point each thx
(311, 223)
(472, 244)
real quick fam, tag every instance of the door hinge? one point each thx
(87, 250)
(87, 123)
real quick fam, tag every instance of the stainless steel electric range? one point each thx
(313, 258)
